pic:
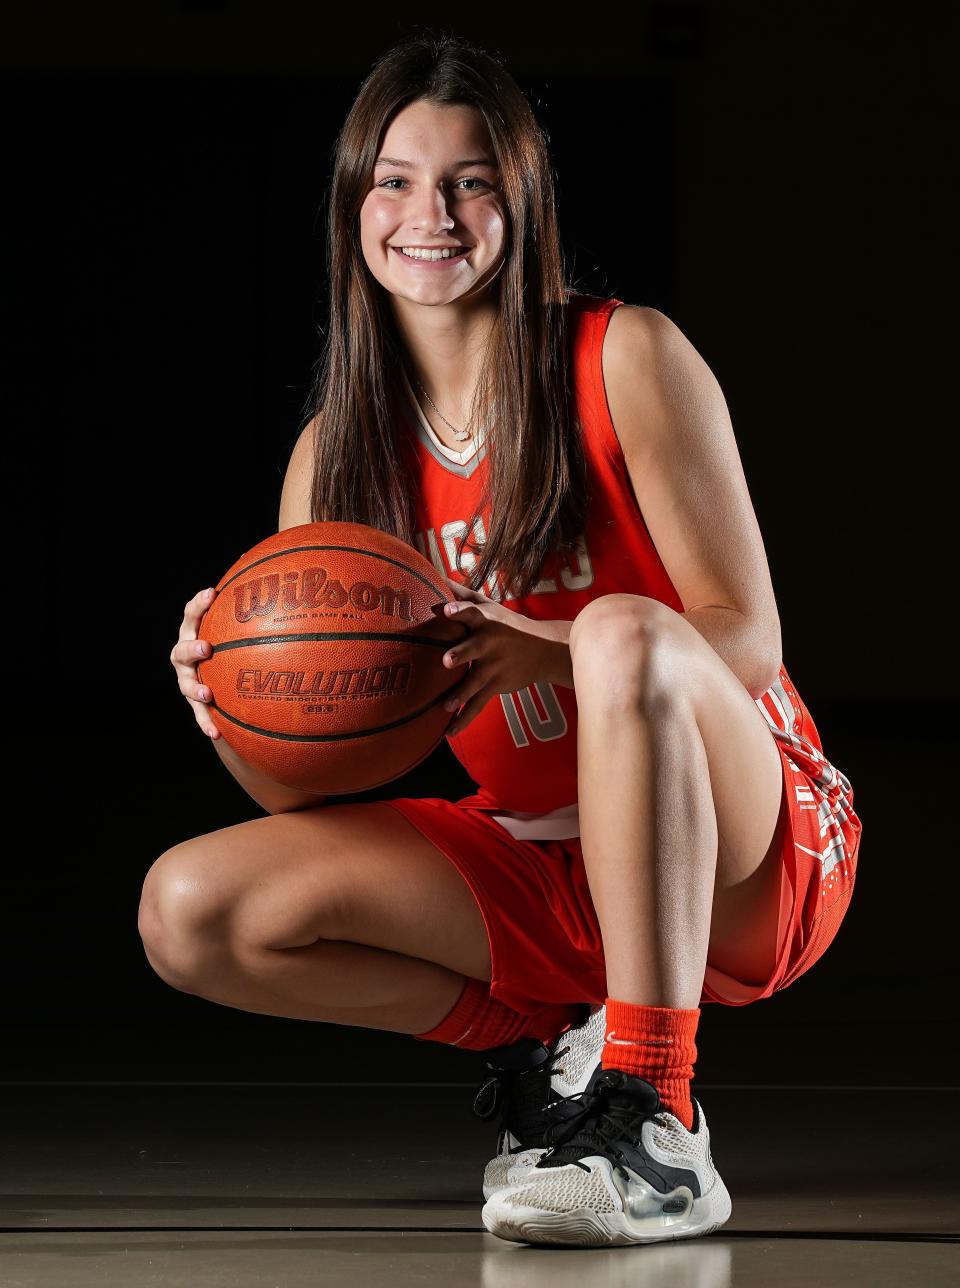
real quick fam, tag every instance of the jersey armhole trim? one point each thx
(608, 434)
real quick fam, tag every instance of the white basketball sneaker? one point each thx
(622, 1170)
(529, 1082)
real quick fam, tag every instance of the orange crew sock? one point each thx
(656, 1043)
(478, 1021)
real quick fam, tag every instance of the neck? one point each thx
(444, 347)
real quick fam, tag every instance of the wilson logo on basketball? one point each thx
(311, 588)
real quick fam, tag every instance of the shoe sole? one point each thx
(583, 1227)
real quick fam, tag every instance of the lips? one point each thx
(442, 262)
(456, 252)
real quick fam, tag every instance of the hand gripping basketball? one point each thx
(187, 652)
(504, 652)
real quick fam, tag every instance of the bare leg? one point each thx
(386, 990)
(680, 843)
(651, 875)
(343, 913)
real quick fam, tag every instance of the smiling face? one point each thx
(445, 194)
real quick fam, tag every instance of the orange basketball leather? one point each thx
(327, 667)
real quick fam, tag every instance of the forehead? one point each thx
(449, 133)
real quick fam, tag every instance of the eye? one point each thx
(472, 178)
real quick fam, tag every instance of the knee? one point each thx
(624, 648)
(177, 914)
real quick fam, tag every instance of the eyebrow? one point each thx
(409, 165)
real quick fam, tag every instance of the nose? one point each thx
(433, 214)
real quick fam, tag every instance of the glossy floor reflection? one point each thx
(273, 1185)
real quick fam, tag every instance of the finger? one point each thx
(197, 693)
(193, 610)
(188, 652)
(203, 718)
(193, 688)
(184, 651)
(186, 655)
(202, 693)
(456, 698)
(461, 606)
(462, 592)
(456, 656)
(472, 707)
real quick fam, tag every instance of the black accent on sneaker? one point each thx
(608, 1122)
(518, 1084)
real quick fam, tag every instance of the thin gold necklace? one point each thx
(461, 435)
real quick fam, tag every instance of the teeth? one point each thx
(414, 253)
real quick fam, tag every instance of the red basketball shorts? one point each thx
(545, 941)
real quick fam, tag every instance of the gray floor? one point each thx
(328, 1184)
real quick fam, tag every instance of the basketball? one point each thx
(326, 668)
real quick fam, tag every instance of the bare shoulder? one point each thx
(646, 361)
(296, 497)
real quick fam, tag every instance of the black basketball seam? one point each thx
(329, 737)
(396, 637)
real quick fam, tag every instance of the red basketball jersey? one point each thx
(521, 749)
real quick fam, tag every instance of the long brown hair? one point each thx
(536, 485)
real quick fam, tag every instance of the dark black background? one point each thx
(768, 176)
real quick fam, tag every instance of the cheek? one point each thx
(375, 220)
(490, 224)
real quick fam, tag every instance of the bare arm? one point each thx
(296, 494)
(681, 454)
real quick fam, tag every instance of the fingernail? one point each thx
(451, 608)
(201, 650)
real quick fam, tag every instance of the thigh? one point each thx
(359, 872)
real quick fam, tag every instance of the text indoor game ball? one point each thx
(327, 668)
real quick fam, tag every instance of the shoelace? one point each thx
(517, 1091)
(593, 1129)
